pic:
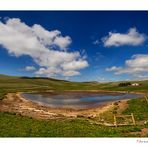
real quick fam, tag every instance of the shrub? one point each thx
(124, 84)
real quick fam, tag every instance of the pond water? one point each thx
(76, 100)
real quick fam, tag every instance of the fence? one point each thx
(126, 120)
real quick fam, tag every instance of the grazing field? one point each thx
(15, 125)
(12, 125)
(139, 107)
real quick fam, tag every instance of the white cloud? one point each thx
(141, 77)
(54, 71)
(132, 37)
(74, 65)
(39, 44)
(113, 68)
(71, 73)
(139, 61)
(30, 68)
(50, 71)
(138, 64)
(62, 42)
(52, 37)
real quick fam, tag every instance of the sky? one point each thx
(75, 45)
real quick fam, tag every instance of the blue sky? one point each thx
(78, 45)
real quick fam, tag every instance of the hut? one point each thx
(135, 84)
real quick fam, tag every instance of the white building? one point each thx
(135, 84)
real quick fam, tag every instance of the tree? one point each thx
(124, 84)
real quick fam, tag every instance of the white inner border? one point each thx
(74, 143)
(73, 4)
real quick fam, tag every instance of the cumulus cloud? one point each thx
(71, 73)
(38, 43)
(75, 65)
(132, 37)
(62, 42)
(113, 68)
(141, 77)
(137, 65)
(30, 68)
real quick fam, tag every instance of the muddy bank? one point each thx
(14, 102)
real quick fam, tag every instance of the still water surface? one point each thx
(76, 100)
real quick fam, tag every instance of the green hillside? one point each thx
(14, 84)
(12, 125)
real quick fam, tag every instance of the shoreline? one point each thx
(15, 102)
(73, 92)
(89, 91)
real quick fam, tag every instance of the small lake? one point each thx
(76, 100)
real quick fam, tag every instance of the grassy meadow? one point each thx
(12, 125)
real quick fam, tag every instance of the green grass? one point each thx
(12, 125)
(17, 126)
(139, 107)
(15, 84)
(2, 95)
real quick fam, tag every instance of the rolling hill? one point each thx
(27, 84)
